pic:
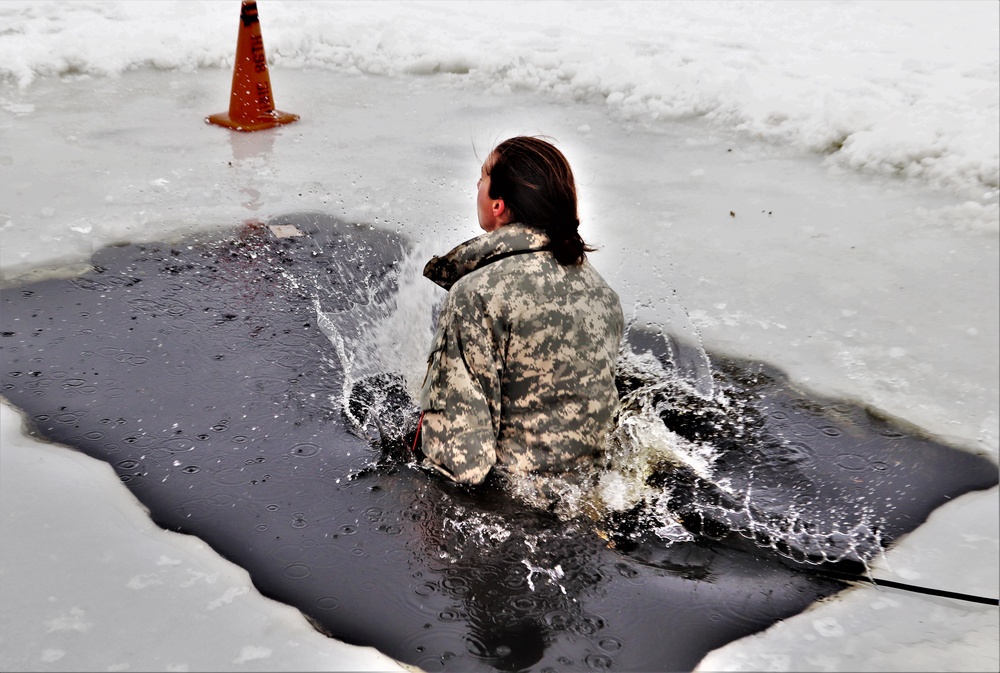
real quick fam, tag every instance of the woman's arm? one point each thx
(460, 396)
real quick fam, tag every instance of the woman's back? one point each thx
(540, 340)
(522, 368)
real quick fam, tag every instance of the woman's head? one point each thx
(529, 181)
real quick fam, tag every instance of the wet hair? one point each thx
(536, 183)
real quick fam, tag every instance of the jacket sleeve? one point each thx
(460, 395)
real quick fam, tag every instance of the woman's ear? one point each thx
(500, 211)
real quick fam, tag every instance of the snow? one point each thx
(101, 587)
(856, 145)
(890, 87)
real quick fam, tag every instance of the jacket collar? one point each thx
(466, 257)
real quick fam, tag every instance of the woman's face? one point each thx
(492, 212)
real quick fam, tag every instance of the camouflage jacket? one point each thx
(522, 366)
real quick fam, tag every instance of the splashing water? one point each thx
(665, 472)
(381, 344)
(668, 331)
(660, 479)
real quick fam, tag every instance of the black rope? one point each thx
(847, 577)
(503, 255)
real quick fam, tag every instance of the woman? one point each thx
(521, 373)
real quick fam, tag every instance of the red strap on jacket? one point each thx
(416, 437)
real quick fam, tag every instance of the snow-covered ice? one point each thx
(890, 86)
(855, 144)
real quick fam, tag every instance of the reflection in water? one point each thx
(253, 145)
(504, 567)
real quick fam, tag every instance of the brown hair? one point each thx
(536, 183)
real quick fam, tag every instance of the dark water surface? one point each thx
(198, 371)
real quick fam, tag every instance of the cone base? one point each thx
(276, 118)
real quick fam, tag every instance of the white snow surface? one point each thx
(896, 86)
(813, 184)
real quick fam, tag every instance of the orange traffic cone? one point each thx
(251, 104)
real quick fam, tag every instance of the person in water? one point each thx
(521, 373)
